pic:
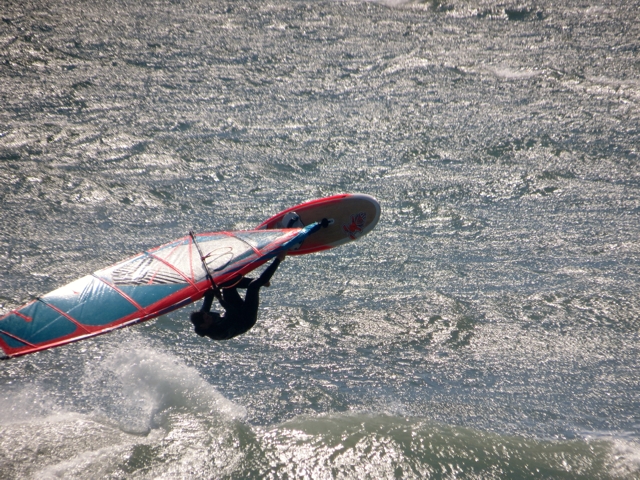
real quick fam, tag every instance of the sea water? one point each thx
(488, 326)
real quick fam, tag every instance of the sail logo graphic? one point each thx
(354, 229)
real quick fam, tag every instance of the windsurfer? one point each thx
(240, 315)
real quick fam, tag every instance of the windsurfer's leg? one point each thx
(252, 298)
(251, 301)
(231, 296)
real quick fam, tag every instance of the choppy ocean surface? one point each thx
(487, 328)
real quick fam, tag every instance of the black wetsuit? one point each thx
(240, 315)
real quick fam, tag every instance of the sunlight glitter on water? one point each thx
(493, 309)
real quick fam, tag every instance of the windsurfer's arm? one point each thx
(208, 301)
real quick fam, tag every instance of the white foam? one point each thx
(133, 384)
(25, 404)
(511, 74)
(62, 443)
(392, 3)
(135, 399)
(625, 459)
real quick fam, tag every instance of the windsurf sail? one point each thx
(143, 287)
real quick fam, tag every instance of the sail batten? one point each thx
(140, 308)
(65, 315)
(189, 280)
(2, 332)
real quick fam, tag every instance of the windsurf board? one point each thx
(347, 217)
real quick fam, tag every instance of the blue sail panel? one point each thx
(11, 341)
(84, 300)
(147, 295)
(36, 324)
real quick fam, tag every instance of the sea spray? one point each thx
(134, 385)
